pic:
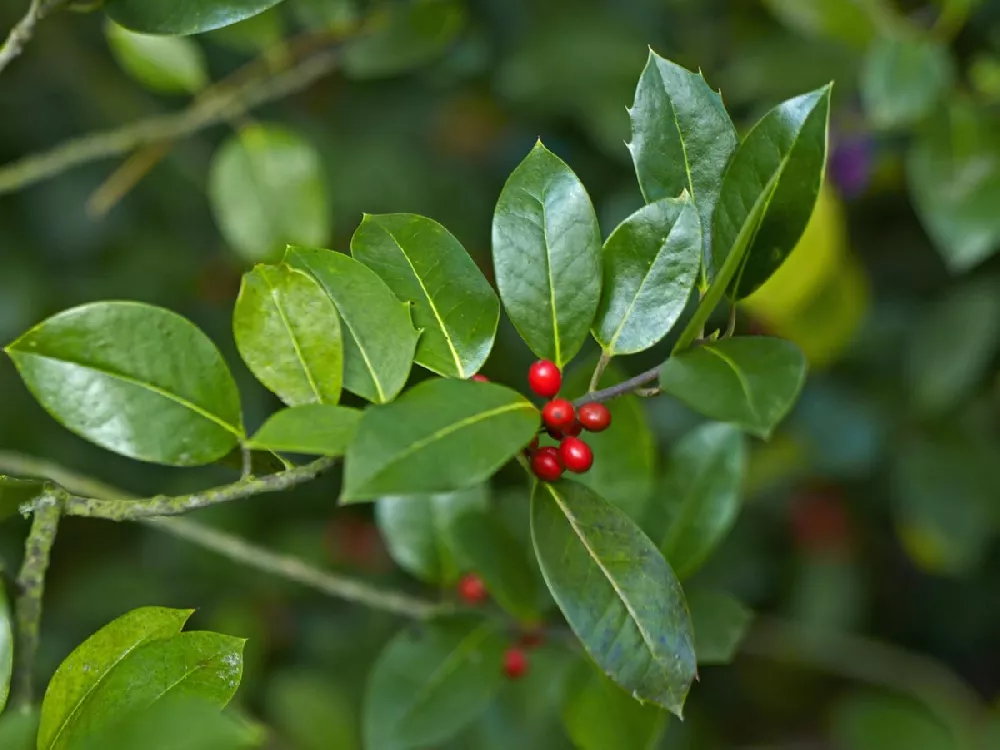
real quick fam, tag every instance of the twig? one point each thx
(21, 34)
(31, 589)
(228, 545)
(626, 386)
(229, 104)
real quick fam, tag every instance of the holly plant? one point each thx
(335, 335)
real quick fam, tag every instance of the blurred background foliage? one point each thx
(872, 513)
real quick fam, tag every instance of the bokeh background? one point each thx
(868, 538)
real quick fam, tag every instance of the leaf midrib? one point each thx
(680, 135)
(740, 377)
(291, 337)
(687, 503)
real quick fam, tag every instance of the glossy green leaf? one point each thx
(262, 33)
(183, 16)
(547, 255)
(700, 494)
(903, 79)
(314, 429)
(951, 350)
(599, 715)
(379, 338)
(196, 665)
(15, 492)
(288, 332)
(443, 435)
(495, 554)
(430, 681)
(617, 592)
(6, 648)
(399, 37)
(773, 177)
(167, 64)
(135, 379)
(750, 381)
(868, 720)
(267, 190)
(72, 689)
(651, 262)
(18, 730)
(720, 624)
(953, 171)
(682, 138)
(419, 534)
(454, 306)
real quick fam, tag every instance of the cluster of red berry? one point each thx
(563, 423)
(472, 590)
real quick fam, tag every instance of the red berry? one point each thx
(576, 455)
(472, 589)
(480, 378)
(820, 522)
(544, 378)
(515, 663)
(546, 464)
(533, 445)
(594, 417)
(532, 638)
(559, 415)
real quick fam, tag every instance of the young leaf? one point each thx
(196, 665)
(651, 262)
(953, 171)
(379, 338)
(72, 687)
(443, 435)
(682, 138)
(453, 304)
(599, 715)
(135, 379)
(418, 531)
(267, 190)
(720, 623)
(183, 16)
(701, 494)
(751, 381)
(314, 429)
(6, 648)
(903, 79)
(288, 332)
(494, 553)
(167, 64)
(547, 255)
(15, 492)
(430, 681)
(617, 592)
(773, 178)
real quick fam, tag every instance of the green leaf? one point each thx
(262, 33)
(430, 681)
(18, 730)
(418, 531)
(72, 689)
(167, 64)
(314, 429)
(6, 648)
(183, 16)
(953, 171)
(312, 711)
(135, 379)
(700, 494)
(453, 305)
(720, 624)
(682, 138)
(867, 720)
(950, 351)
(651, 262)
(773, 178)
(496, 555)
(15, 492)
(751, 381)
(197, 665)
(547, 255)
(599, 715)
(379, 338)
(442, 435)
(398, 37)
(288, 332)
(842, 20)
(267, 190)
(332, 15)
(617, 592)
(903, 79)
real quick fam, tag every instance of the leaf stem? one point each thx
(31, 589)
(602, 364)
